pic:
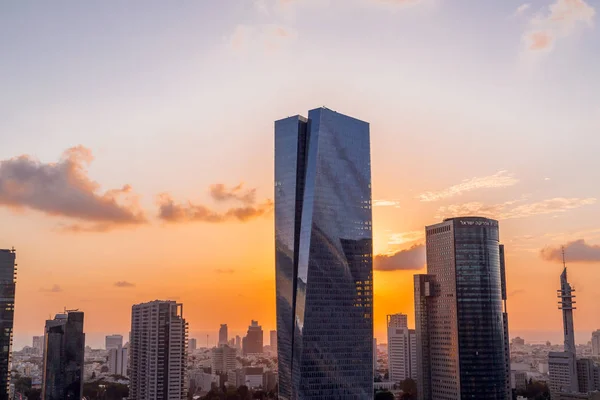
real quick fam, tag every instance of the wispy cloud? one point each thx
(54, 289)
(124, 284)
(522, 9)
(560, 20)
(386, 203)
(409, 259)
(513, 209)
(64, 189)
(405, 237)
(171, 211)
(576, 251)
(220, 192)
(500, 179)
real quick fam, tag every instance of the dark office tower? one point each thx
(64, 357)
(460, 311)
(324, 268)
(253, 341)
(223, 336)
(158, 351)
(8, 278)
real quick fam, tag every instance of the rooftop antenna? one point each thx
(563, 255)
(207, 341)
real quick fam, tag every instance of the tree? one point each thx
(537, 391)
(243, 392)
(34, 394)
(384, 395)
(22, 384)
(409, 389)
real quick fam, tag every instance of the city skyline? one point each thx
(435, 154)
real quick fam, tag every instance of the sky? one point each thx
(136, 147)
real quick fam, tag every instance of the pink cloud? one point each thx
(561, 20)
(540, 41)
(65, 189)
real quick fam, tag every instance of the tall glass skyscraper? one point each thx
(324, 262)
(7, 316)
(460, 311)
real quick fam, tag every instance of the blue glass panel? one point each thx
(324, 256)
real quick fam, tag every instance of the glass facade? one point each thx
(7, 316)
(64, 357)
(480, 309)
(324, 271)
(462, 319)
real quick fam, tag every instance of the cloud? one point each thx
(64, 189)
(405, 237)
(54, 289)
(540, 40)
(171, 211)
(548, 206)
(499, 180)
(409, 259)
(522, 9)
(124, 284)
(510, 209)
(576, 251)
(386, 203)
(220, 192)
(562, 19)
(224, 271)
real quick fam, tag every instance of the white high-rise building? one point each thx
(117, 361)
(158, 351)
(596, 343)
(402, 348)
(223, 359)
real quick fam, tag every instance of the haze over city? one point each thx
(143, 133)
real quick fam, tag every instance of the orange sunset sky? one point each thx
(126, 129)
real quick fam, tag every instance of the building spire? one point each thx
(567, 304)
